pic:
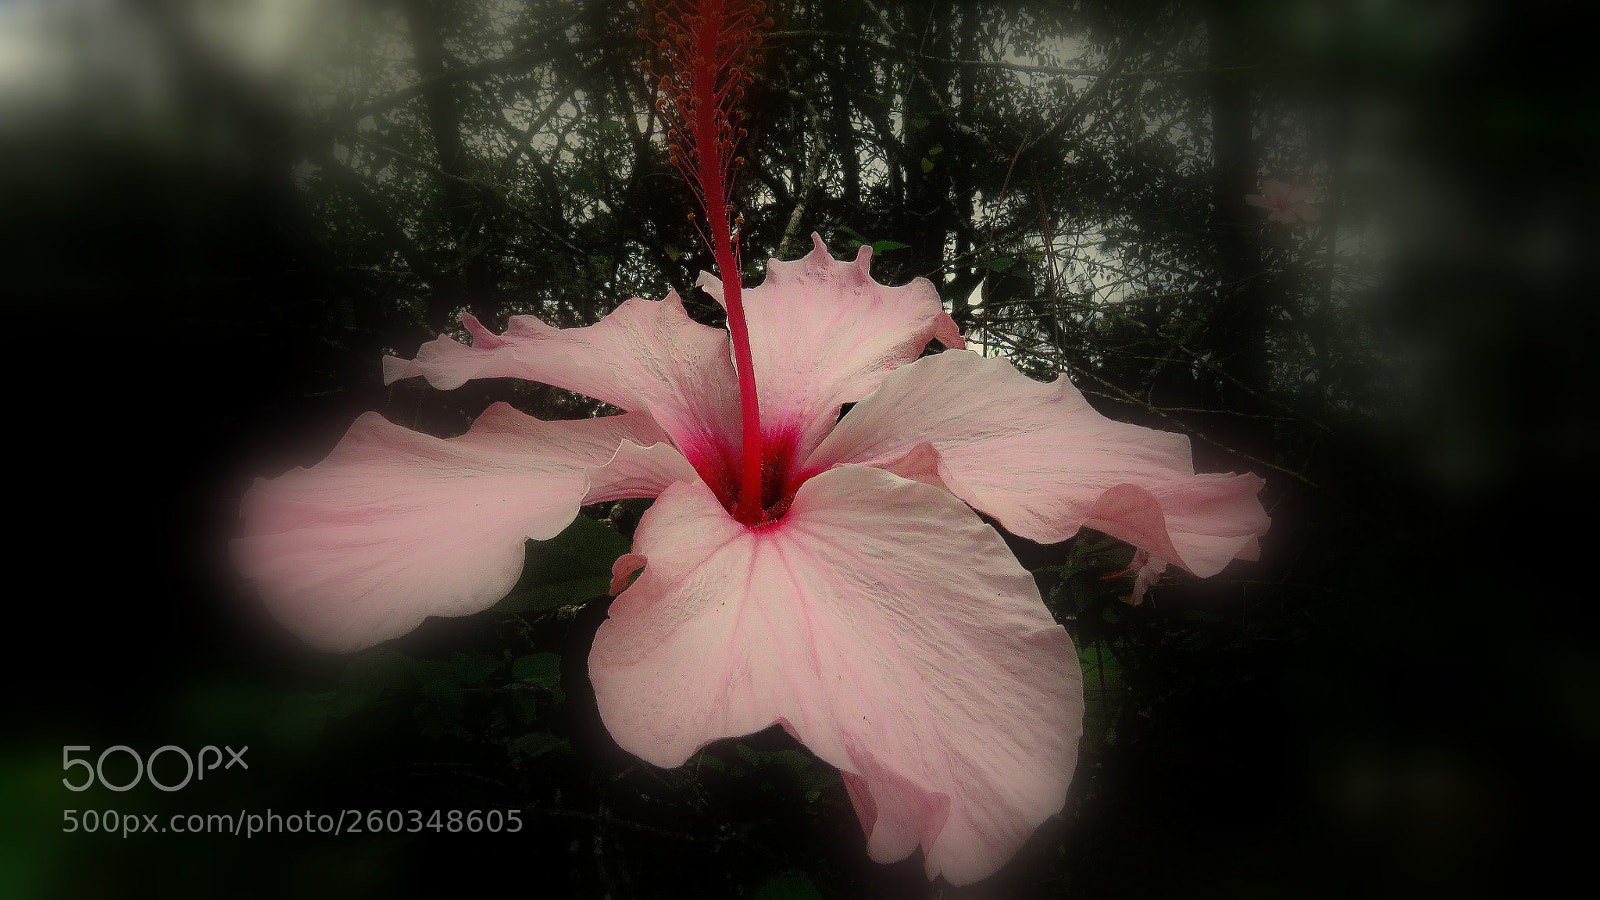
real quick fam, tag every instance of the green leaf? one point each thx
(712, 762)
(877, 246)
(802, 766)
(369, 675)
(569, 569)
(539, 669)
(539, 743)
(300, 720)
(999, 263)
(466, 668)
(927, 165)
(444, 680)
(789, 887)
(524, 706)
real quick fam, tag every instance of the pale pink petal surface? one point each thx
(1039, 459)
(1306, 211)
(1272, 196)
(1287, 202)
(885, 626)
(824, 333)
(1277, 192)
(646, 355)
(395, 526)
(1147, 571)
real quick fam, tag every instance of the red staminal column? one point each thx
(708, 49)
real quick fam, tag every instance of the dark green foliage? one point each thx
(567, 570)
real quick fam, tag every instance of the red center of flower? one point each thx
(723, 470)
(709, 49)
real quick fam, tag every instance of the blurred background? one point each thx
(1338, 244)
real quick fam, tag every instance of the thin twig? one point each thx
(791, 231)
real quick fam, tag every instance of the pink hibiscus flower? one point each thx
(825, 574)
(1289, 203)
(867, 608)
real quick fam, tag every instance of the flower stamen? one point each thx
(709, 52)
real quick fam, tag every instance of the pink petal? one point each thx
(1039, 459)
(886, 627)
(1148, 571)
(920, 463)
(644, 356)
(622, 571)
(1276, 192)
(823, 333)
(395, 526)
